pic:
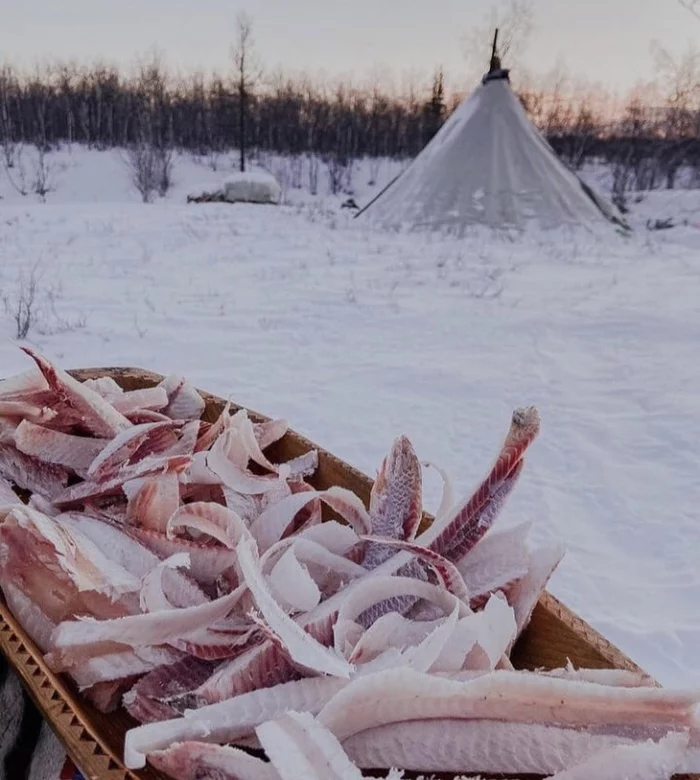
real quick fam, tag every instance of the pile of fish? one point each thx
(168, 566)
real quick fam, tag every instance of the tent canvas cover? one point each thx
(488, 165)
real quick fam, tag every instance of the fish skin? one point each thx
(396, 500)
(469, 520)
(483, 746)
(97, 414)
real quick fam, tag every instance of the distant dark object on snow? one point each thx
(350, 204)
(660, 224)
(207, 197)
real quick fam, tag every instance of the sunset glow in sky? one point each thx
(604, 41)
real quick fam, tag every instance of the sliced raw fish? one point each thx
(229, 720)
(198, 760)
(31, 474)
(469, 520)
(97, 415)
(147, 399)
(207, 563)
(399, 695)
(48, 446)
(466, 746)
(299, 746)
(152, 500)
(184, 402)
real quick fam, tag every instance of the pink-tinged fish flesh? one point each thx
(122, 665)
(624, 678)
(145, 439)
(466, 746)
(145, 416)
(28, 614)
(207, 563)
(400, 695)
(25, 411)
(30, 563)
(209, 432)
(302, 466)
(159, 694)
(299, 746)
(230, 720)
(152, 501)
(301, 646)
(147, 399)
(269, 432)
(646, 761)
(23, 386)
(8, 426)
(198, 760)
(83, 562)
(31, 474)
(184, 402)
(497, 562)
(106, 696)
(84, 491)
(448, 574)
(210, 519)
(261, 666)
(526, 593)
(8, 497)
(371, 590)
(97, 415)
(87, 638)
(291, 584)
(235, 476)
(62, 449)
(180, 588)
(465, 525)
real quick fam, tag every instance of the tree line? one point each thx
(647, 144)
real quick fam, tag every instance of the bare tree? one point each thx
(514, 20)
(247, 72)
(691, 5)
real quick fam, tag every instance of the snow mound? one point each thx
(253, 187)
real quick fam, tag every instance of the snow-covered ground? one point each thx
(356, 336)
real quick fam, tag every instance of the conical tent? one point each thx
(488, 165)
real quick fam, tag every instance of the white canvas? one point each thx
(488, 165)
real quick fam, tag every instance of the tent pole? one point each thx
(492, 65)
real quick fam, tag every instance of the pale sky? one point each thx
(602, 40)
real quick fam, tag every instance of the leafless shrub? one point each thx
(691, 5)
(141, 160)
(164, 169)
(17, 174)
(214, 159)
(374, 164)
(296, 167)
(151, 169)
(23, 306)
(313, 174)
(42, 183)
(337, 172)
(31, 305)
